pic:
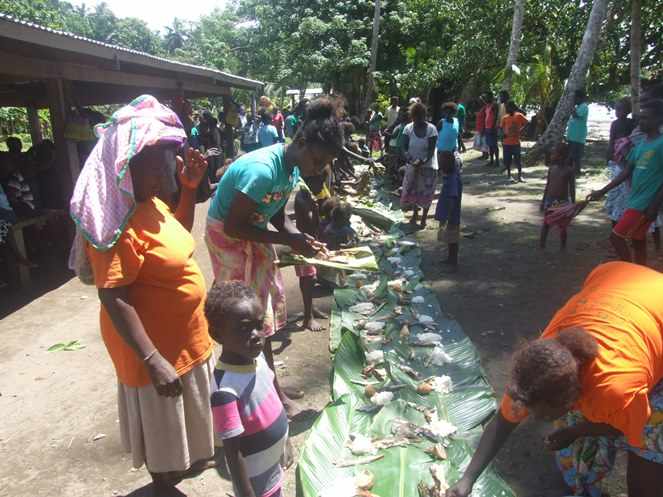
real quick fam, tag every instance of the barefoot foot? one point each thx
(312, 325)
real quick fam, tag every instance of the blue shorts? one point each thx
(491, 137)
(511, 154)
(449, 203)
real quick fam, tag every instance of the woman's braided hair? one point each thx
(323, 124)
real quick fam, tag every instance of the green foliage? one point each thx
(456, 46)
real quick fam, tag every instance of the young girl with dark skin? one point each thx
(422, 130)
(592, 371)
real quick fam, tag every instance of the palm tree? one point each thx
(175, 36)
(636, 49)
(514, 46)
(576, 81)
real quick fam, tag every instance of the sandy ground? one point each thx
(60, 434)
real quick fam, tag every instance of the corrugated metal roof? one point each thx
(13, 28)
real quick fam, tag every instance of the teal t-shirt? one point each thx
(262, 176)
(447, 140)
(647, 158)
(460, 114)
(576, 130)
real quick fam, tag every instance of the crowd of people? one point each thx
(596, 368)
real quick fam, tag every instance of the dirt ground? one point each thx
(60, 434)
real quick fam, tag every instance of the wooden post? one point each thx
(35, 125)
(66, 154)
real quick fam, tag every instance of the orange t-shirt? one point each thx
(511, 126)
(154, 258)
(621, 307)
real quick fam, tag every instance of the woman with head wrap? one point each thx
(139, 254)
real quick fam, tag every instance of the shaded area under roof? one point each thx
(95, 72)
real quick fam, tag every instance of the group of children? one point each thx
(635, 192)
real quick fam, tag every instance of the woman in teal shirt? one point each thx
(252, 195)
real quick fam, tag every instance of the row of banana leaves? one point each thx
(327, 466)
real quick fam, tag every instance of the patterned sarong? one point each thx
(252, 263)
(589, 460)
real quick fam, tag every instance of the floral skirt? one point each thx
(254, 264)
(589, 460)
(615, 199)
(418, 186)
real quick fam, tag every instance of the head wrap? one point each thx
(103, 198)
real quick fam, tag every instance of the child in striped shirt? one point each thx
(246, 410)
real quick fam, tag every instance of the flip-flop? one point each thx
(293, 393)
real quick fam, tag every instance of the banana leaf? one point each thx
(361, 259)
(397, 473)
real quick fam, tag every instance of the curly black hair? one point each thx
(548, 370)
(220, 299)
(417, 109)
(323, 124)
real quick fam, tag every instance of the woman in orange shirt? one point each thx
(596, 371)
(140, 257)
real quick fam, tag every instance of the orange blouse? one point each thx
(154, 258)
(621, 307)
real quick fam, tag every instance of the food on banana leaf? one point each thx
(365, 308)
(426, 339)
(375, 326)
(426, 320)
(418, 299)
(439, 357)
(397, 286)
(441, 428)
(405, 331)
(438, 452)
(440, 384)
(371, 342)
(364, 480)
(437, 471)
(360, 444)
(394, 260)
(370, 390)
(375, 357)
(382, 398)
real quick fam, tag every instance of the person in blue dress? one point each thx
(447, 212)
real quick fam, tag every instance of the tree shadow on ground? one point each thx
(507, 289)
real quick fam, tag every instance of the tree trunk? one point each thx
(636, 48)
(514, 46)
(370, 80)
(576, 81)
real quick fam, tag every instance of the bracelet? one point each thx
(149, 356)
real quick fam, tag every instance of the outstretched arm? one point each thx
(494, 436)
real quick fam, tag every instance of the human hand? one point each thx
(192, 169)
(651, 212)
(596, 195)
(462, 488)
(304, 244)
(163, 376)
(560, 439)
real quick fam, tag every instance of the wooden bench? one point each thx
(19, 240)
